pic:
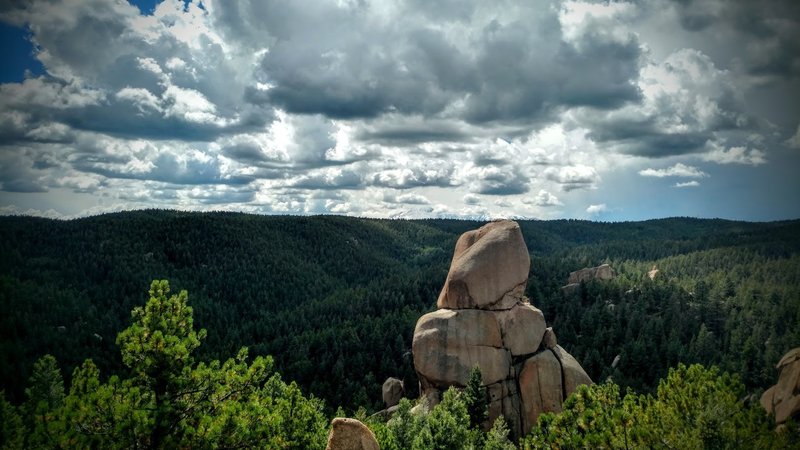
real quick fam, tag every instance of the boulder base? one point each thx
(540, 388)
(350, 434)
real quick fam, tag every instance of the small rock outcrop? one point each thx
(603, 272)
(652, 273)
(485, 320)
(783, 399)
(392, 391)
(350, 434)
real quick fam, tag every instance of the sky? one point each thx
(610, 111)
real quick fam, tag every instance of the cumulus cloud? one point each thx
(573, 177)
(393, 109)
(597, 209)
(409, 199)
(677, 170)
(544, 198)
(736, 155)
(471, 199)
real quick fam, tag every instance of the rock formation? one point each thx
(652, 273)
(485, 320)
(350, 434)
(602, 273)
(392, 391)
(783, 399)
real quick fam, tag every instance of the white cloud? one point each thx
(573, 177)
(544, 198)
(692, 183)
(597, 209)
(678, 170)
(736, 155)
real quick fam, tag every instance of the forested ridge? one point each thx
(334, 300)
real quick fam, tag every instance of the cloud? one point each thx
(765, 35)
(794, 141)
(736, 155)
(692, 183)
(687, 102)
(499, 180)
(409, 199)
(514, 63)
(471, 199)
(677, 170)
(573, 177)
(544, 198)
(333, 178)
(597, 209)
(437, 173)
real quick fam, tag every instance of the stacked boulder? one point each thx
(783, 399)
(485, 320)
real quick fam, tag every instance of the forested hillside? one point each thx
(334, 300)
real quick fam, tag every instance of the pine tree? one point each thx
(475, 398)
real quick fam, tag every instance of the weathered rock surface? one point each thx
(448, 343)
(392, 391)
(487, 264)
(573, 373)
(549, 340)
(652, 273)
(783, 399)
(350, 434)
(603, 272)
(485, 320)
(522, 328)
(541, 389)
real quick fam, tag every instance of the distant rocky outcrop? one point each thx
(350, 434)
(485, 320)
(783, 399)
(602, 273)
(652, 273)
(392, 391)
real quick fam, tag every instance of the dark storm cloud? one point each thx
(644, 138)
(509, 182)
(504, 70)
(17, 174)
(767, 31)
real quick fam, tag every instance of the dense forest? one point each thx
(334, 300)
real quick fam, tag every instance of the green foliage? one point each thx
(45, 396)
(170, 401)
(695, 407)
(475, 398)
(446, 427)
(12, 431)
(497, 437)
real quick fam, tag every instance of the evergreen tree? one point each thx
(475, 398)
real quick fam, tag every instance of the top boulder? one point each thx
(489, 268)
